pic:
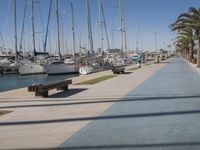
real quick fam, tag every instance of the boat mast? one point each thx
(73, 30)
(112, 34)
(90, 39)
(47, 29)
(124, 27)
(58, 27)
(1, 36)
(62, 36)
(50, 51)
(101, 24)
(15, 27)
(22, 33)
(104, 22)
(33, 29)
(121, 25)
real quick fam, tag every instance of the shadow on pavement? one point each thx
(108, 117)
(151, 145)
(127, 72)
(98, 100)
(165, 62)
(65, 94)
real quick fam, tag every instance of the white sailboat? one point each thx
(28, 68)
(85, 70)
(31, 68)
(56, 66)
(93, 64)
(59, 66)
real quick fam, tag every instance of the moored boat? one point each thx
(60, 67)
(84, 70)
(31, 68)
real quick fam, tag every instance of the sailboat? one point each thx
(87, 67)
(27, 68)
(94, 63)
(60, 66)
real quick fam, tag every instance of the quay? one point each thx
(96, 98)
(148, 108)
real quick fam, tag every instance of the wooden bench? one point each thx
(118, 69)
(43, 89)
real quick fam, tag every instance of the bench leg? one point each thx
(30, 89)
(44, 94)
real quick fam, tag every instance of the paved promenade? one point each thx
(48, 122)
(162, 113)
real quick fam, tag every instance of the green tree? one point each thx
(190, 20)
(182, 45)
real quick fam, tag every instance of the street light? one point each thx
(155, 33)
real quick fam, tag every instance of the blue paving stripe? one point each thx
(165, 116)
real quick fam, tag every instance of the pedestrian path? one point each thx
(162, 113)
(44, 123)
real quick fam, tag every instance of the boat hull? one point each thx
(84, 70)
(31, 68)
(60, 68)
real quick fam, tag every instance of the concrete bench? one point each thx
(43, 89)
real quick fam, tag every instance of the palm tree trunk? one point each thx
(190, 53)
(198, 54)
(187, 54)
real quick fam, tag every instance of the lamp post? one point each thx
(155, 34)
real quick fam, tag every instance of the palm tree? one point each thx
(184, 33)
(182, 44)
(187, 34)
(190, 20)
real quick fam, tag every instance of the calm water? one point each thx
(10, 82)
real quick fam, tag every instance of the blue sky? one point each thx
(142, 18)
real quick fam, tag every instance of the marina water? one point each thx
(13, 81)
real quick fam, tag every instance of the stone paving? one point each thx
(48, 122)
(162, 113)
